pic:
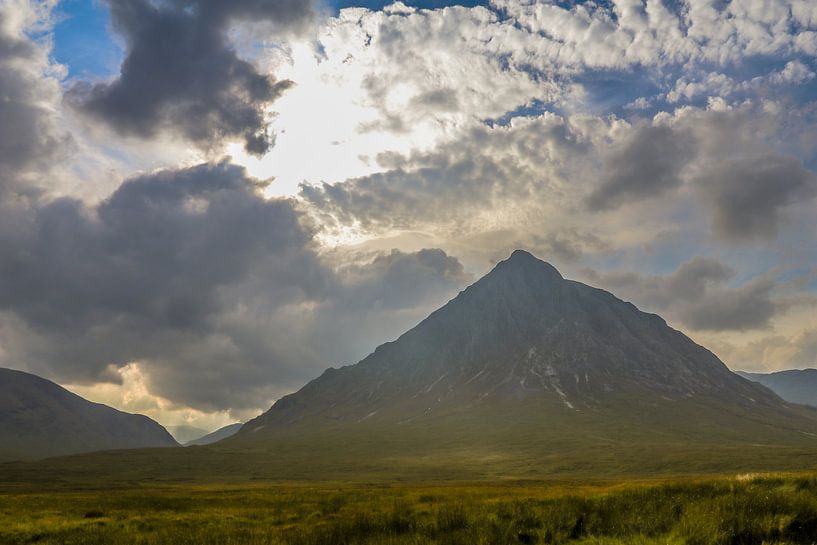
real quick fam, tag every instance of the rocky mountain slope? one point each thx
(524, 365)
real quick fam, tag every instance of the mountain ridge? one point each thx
(793, 385)
(214, 436)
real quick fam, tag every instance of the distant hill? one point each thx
(39, 419)
(218, 435)
(184, 433)
(795, 385)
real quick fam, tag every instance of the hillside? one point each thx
(184, 433)
(216, 436)
(795, 385)
(39, 419)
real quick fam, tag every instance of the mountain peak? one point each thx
(522, 254)
(523, 261)
(525, 359)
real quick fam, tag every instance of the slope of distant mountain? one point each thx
(795, 385)
(523, 365)
(39, 419)
(183, 433)
(216, 436)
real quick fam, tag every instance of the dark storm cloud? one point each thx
(397, 279)
(147, 263)
(698, 295)
(157, 249)
(750, 306)
(278, 347)
(216, 291)
(748, 195)
(181, 73)
(739, 177)
(646, 163)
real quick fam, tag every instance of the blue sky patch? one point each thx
(427, 4)
(82, 42)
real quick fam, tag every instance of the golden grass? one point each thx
(740, 510)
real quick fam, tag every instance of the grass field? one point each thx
(736, 511)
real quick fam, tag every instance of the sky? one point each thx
(205, 204)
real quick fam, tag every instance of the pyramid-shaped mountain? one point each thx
(531, 369)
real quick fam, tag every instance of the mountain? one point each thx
(184, 433)
(523, 375)
(539, 373)
(39, 419)
(795, 385)
(216, 436)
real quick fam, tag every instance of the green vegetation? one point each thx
(738, 511)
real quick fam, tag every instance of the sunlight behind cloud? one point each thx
(318, 125)
(328, 126)
(133, 395)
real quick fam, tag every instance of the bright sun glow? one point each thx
(322, 125)
(133, 395)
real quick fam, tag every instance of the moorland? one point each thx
(744, 509)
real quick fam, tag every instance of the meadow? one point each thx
(747, 510)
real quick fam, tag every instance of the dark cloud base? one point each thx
(181, 74)
(186, 271)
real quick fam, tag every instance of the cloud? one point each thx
(398, 280)
(648, 162)
(729, 159)
(30, 139)
(775, 352)
(662, 33)
(793, 73)
(750, 306)
(698, 295)
(488, 174)
(181, 73)
(219, 294)
(139, 276)
(748, 195)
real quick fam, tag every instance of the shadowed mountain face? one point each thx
(523, 365)
(795, 385)
(521, 333)
(39, 419)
